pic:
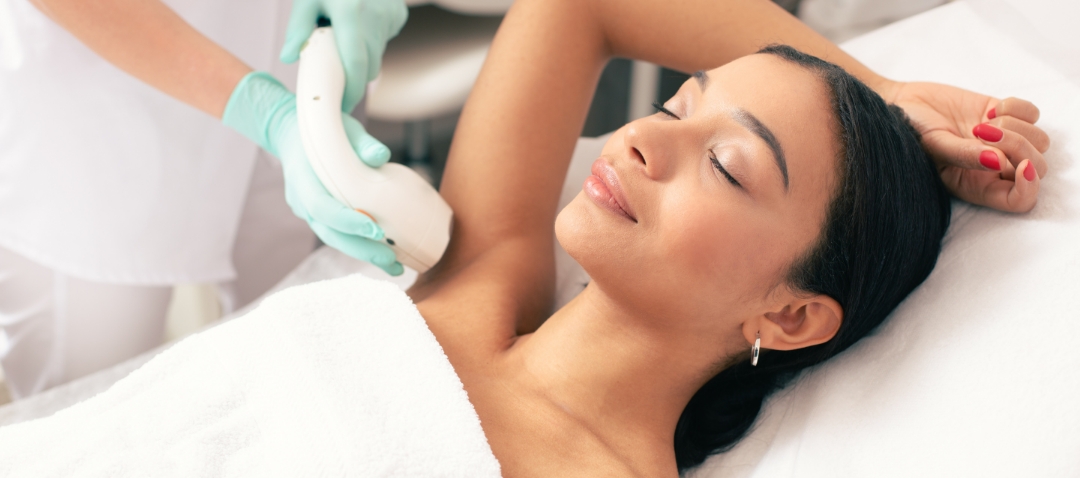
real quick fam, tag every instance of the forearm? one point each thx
(692, 35)
(511, 149)
(519, 127)
(152, 43)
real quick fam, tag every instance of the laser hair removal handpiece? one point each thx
(413, 215)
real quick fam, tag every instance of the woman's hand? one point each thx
(987, 150)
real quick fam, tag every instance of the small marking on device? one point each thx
(316, 98)
(390, 241)
(361, 211)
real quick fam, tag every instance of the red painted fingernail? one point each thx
(987, 132)
(989, 160)
(992, 113)
(1029, 172)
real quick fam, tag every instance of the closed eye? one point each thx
(660, 109)
(731, 179)
(716, 163)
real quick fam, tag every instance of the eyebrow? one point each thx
(752, 123)
(702, 79)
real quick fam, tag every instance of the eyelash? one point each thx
(717, 165)
(712, 158)
(660, 109)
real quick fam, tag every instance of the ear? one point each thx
(801, 322)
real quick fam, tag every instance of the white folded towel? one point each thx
(335, 378)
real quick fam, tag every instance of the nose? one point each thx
(647, 148)
(633, 140)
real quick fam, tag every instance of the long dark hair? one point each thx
(881, 238)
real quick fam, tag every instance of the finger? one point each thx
(1015, 146)
(1034, 134)
(301, 23)
(394, 269)
(372, 152)
(366, 250)
(323, 208)
(353, 52)
(1017, 196)
(326, 210)
(1017, 108)
(990, 190)
(949, 149)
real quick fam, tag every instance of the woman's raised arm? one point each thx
(518, 129)
(509, 157)
(519, 126)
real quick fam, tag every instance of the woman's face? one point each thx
(698, 215)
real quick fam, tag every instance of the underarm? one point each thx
(510, 153)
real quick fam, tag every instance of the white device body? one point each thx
(413, 215)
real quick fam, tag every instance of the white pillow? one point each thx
(840, 20)
(977, 373)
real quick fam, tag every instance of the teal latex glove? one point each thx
(262, 109)
(361, 30)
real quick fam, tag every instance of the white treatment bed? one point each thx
(976, 373)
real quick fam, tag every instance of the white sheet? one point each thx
(335, 378)
(976, 373)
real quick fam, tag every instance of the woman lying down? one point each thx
(767, 217)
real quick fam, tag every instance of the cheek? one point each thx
(699, 258)
(725, 249)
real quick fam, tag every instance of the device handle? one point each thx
(319, 88)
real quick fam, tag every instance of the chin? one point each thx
(572, 230)
(593, 239)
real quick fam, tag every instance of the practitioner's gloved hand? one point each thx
(361, 30)
(989, 151)
(262, 109)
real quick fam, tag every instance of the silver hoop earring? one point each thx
(756, 351)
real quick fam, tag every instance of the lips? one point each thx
(604, 189)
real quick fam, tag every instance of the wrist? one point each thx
(888, 89)
(257, 104)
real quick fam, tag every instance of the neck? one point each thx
(625, 377)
